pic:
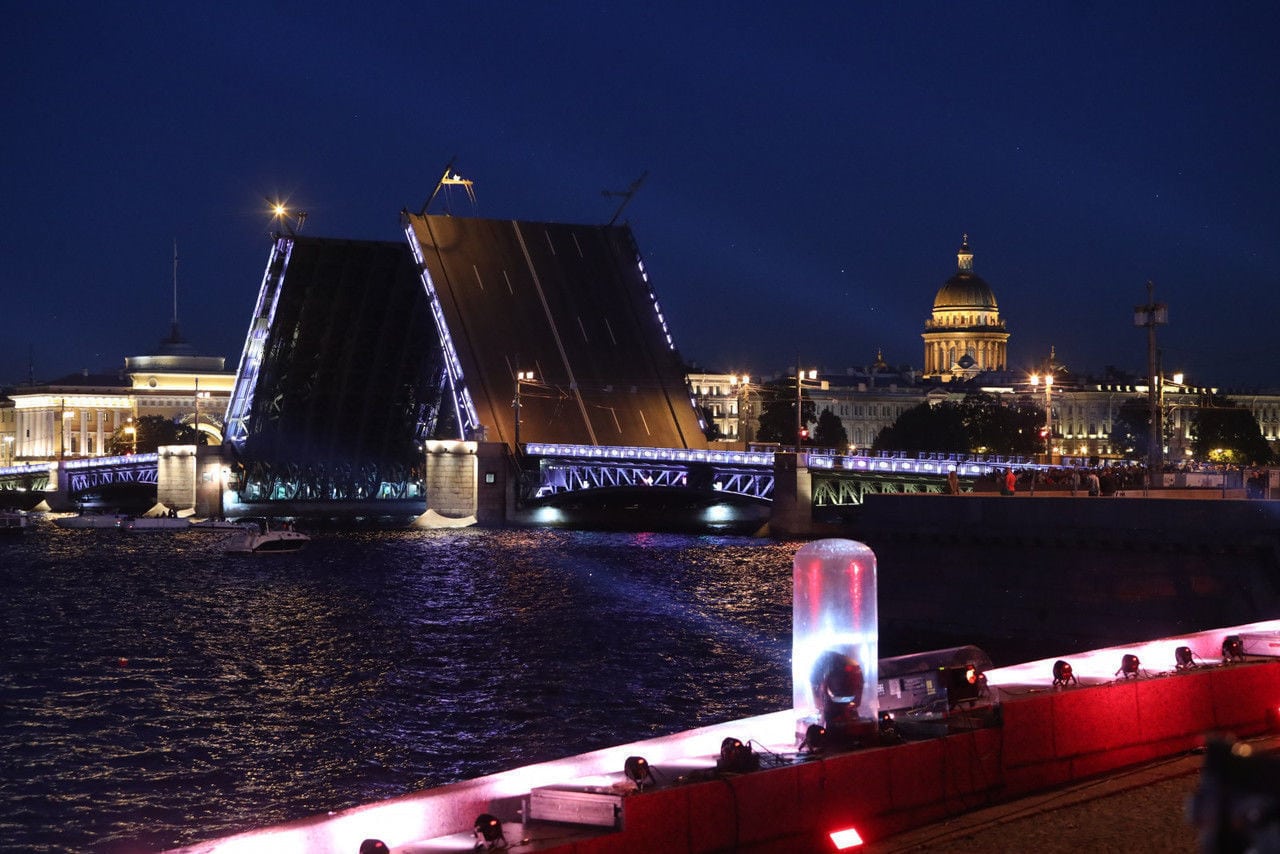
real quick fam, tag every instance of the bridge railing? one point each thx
(671, 455)
(882, 461)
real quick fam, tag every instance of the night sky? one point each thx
(810, 168)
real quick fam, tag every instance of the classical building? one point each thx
(965, 336)
(77, 416)
(730, 402)
(965, 352)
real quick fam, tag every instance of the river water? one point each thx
(156, 692)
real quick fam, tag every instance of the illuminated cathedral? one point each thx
(965, 336)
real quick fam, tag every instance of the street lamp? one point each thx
(64, 431)
(802, 377)
(742, 385)
(132, 433)
(199, 395)
(521, 378)
(1048, 413)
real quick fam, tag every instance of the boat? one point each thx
(12, 522)
(91, 520)
(155, 523)
(212, 524)
(261, 538)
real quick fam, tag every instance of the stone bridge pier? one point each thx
(467, 483)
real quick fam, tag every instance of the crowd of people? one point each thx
(1106, 480)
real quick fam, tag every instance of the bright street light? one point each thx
(1048, 413)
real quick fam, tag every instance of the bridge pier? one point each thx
(792, 512)
(58, 496)
(467, 483)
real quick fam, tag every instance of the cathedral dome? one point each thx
(965, 290)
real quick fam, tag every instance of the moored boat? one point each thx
(155, 523)
(91, 520)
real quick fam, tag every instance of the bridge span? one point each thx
(548, 474)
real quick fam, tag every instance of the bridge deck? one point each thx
(570, 303)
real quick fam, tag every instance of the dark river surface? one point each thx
(156, 692)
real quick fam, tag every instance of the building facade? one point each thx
(80, 415)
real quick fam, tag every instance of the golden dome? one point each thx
(965, 290)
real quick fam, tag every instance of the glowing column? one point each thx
(835, 638)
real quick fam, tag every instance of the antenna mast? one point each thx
(625, 194)
(175, 283)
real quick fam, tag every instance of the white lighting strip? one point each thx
(255, 342)
(104, 462)
(463, 405)
(674, 455)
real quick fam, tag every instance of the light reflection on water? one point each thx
(261, 689)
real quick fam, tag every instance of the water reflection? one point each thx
(260, 689)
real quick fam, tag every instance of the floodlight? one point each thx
(1128, 666)
(845, 839)
(1062, 673)
(1233, 648)
(636, 768)
(836, 682)
(374, 846)
(1184, 657)
(489, 833)
(815, 736)
(736, 757)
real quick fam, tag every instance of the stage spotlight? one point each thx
(637, 770)
(1129, 666)
(736, 757)
(1062, 674)
(1233, 648)
(815, 737)
(1184, 657)
(489, 833)
(374, 846)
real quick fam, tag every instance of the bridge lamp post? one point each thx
(200, 395)
(132, 433)
(63, 435)
(742, 384)
(811, 378)
(521, 378)
(1048, 413)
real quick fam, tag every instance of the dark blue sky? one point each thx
(811, 167)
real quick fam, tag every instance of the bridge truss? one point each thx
(84, 475)
(577, 468)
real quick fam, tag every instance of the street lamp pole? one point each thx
(801, 379)
(1151, 315)
(1048, 413)
(521, 377)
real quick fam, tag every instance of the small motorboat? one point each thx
(263, 539)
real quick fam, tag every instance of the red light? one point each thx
(847, 838)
